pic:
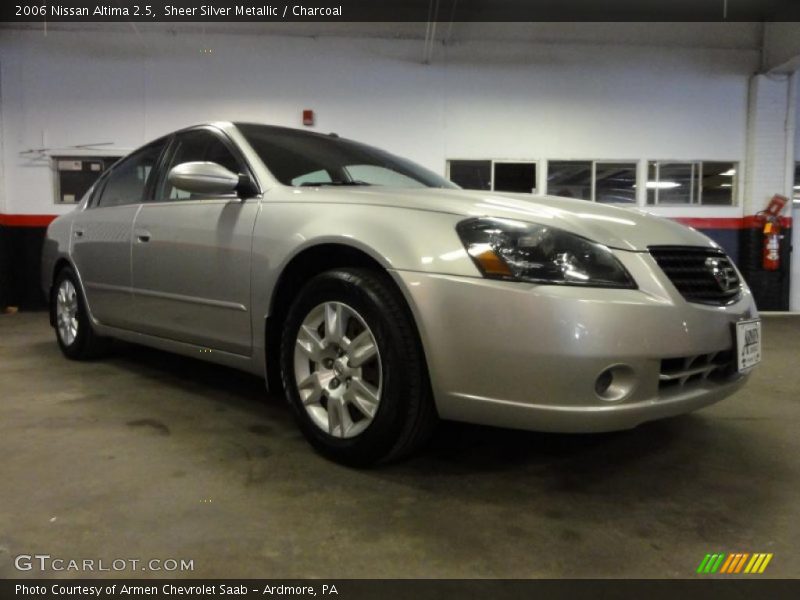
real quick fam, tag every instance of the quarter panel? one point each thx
(55, 247)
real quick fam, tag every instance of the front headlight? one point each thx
(508, 249)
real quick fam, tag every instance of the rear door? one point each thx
(191, 254)
(102, 234)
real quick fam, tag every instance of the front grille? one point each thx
(703, 275)
(691, 371)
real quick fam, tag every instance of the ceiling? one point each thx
(694, 35)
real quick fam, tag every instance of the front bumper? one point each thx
(528, 356)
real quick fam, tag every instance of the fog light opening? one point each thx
(615, 383)
(603, 382)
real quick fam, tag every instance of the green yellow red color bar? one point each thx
(736, 562)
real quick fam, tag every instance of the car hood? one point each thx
(616, 227)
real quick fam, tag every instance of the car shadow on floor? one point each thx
(673, 473)
(455, 447)
(226, 386)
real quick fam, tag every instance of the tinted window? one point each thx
(126, 182)
(199, 145)
(615, 182)
(718, 183)
(796, 194)
(472, 174)
(76, 174)
(293, 156)
(570, 178)
(515, 177)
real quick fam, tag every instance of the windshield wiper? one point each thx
(319, 183)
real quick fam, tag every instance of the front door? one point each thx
(191, 255)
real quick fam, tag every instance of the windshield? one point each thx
(300, 158)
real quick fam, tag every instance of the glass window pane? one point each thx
(615, 182)
(515, 177)
(471, 174)
(570, 178)
(676, 184)
(796, 194)
(126, 182)
(76, 174)
(290, 153)
(718, 183)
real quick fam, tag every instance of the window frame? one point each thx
(634, 163)
(492, 161)
(514, 161)
(491, 171)
(571, 160)
(696, 182)
(796, 185)
(640, 168)
(106, 161)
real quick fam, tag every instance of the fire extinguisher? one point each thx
(771, 257)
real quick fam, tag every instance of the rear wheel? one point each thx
(353, 368)
(74, 332)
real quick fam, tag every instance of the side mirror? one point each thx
(203, 178)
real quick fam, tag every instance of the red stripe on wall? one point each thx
(698, 223)
(26, 220)
(710, 223)
(747, 222)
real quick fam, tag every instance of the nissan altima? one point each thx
(380, 297)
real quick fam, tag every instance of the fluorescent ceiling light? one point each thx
(662, 185)
(729, 172)
(725, 185)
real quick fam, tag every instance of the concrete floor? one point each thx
(148, 455)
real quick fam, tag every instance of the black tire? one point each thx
(86, 344)
(406, 415)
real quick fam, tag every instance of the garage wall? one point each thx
(578, 100)
(477, 99)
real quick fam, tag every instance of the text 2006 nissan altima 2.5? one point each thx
(381, 297)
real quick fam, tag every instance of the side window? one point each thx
(126, 182)
(199, 145)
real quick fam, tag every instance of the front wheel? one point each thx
(353, 368)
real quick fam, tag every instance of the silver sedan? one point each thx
(380, 297)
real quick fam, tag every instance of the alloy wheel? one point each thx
(67, 312)
(337, 369)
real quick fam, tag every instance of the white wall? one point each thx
(767, 136)
(477, 99)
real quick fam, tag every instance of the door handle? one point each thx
(78, 233)
(143, 236)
